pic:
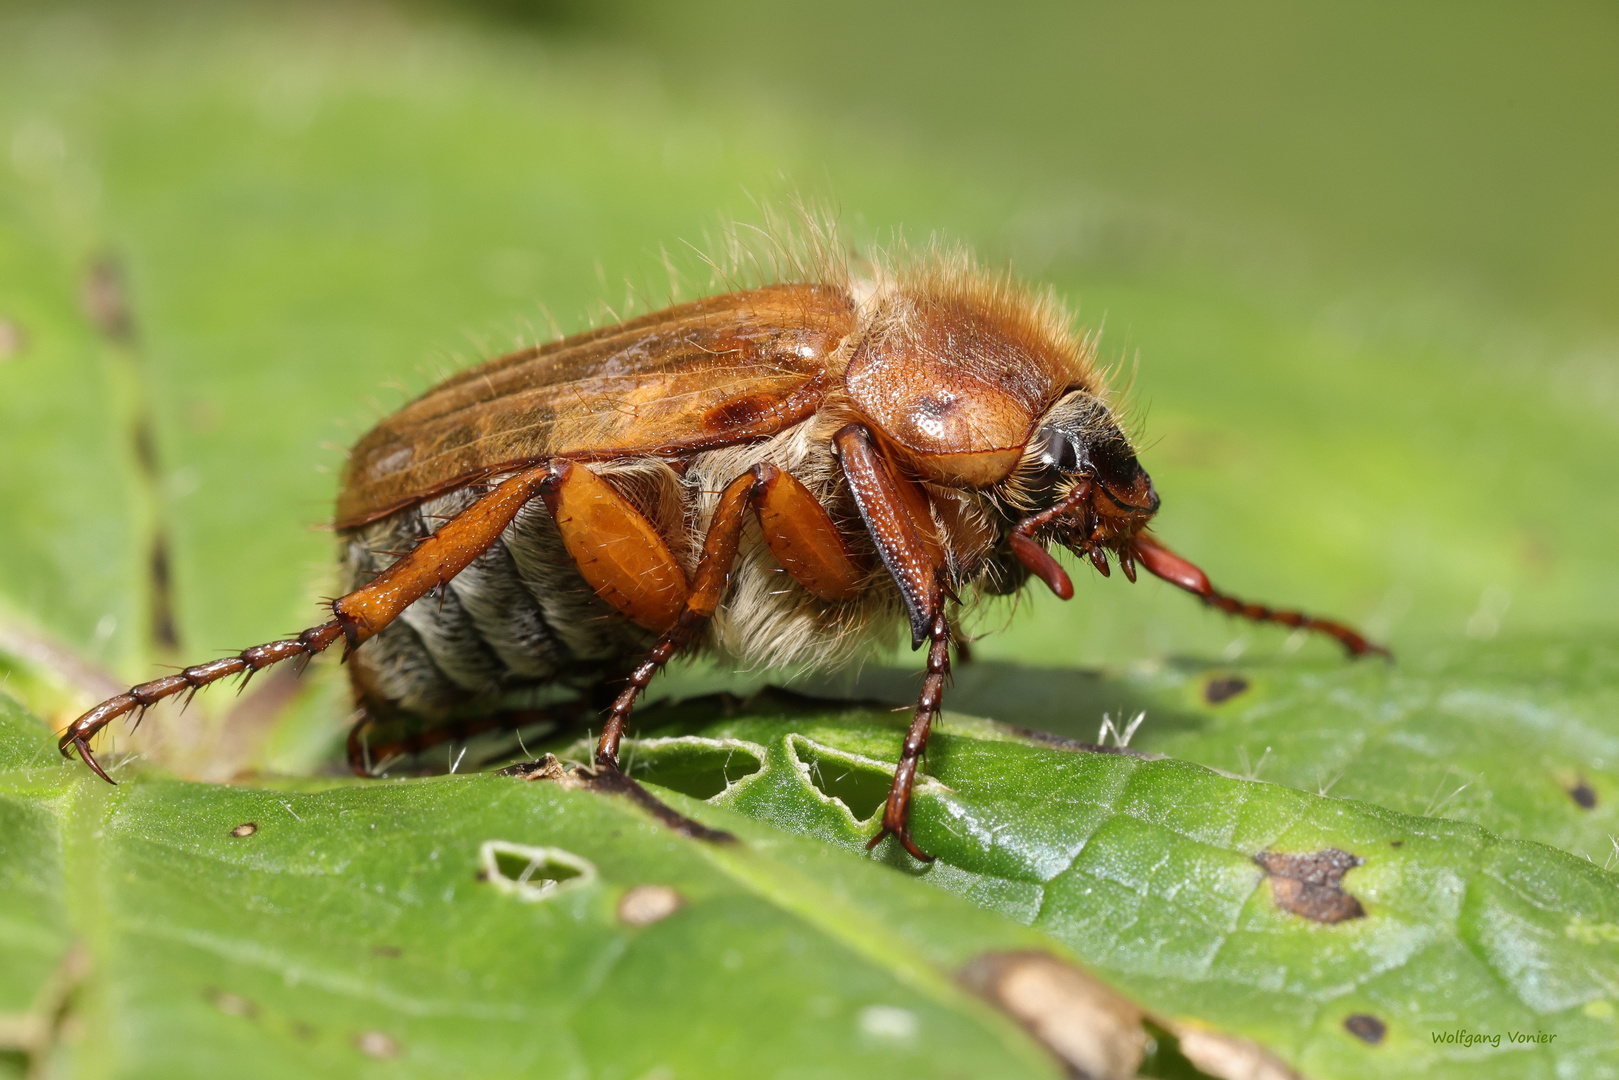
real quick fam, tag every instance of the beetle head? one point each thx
(1080, 438)
(1079, 484)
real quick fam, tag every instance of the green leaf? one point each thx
(1147, 870)
(1517, 736)
(35, 938)
(348, 932)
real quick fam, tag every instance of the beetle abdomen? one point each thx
(519, 618)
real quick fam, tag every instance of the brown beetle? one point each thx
(777, 474)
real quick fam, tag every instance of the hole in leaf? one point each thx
(857, 784)
(532, 873)
(700, 768)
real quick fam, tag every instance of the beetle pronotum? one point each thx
(778, 474)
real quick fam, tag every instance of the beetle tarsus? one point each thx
(904, 836)
(138, 699)
(89, 759)
(897, 810)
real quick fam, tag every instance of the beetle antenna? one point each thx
(1182, 574)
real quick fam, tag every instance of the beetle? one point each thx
(779, 474)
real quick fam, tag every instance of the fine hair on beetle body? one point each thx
(779, 474)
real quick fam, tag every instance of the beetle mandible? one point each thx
(778, 474)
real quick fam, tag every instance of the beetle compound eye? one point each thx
(1059, 451)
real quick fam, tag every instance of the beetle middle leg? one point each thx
(797, 531)
(713, 571)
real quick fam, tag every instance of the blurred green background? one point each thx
(1364, 261)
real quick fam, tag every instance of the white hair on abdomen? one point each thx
(768, 620)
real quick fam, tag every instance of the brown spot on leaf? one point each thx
(1584, 796)
(1368, 1029)
(1217, 690)
(376, 1044)
(390, 952)
(1094, 1031)
(233, 1004)
(1311, 884)
(1396, 843)
(1230, 1057)
(105, 299)
(12, 339)
(246, 828)
(647, 904)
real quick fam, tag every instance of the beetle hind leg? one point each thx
(359, 615)
(140, 698)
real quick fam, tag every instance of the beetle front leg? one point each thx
(916, 568)
(713, 572)
(896, 812)
(360, 615)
